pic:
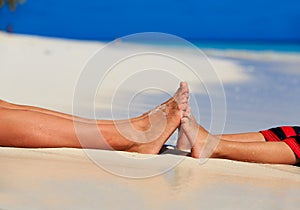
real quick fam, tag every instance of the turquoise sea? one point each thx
(252, 46)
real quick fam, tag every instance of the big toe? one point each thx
(184, 87)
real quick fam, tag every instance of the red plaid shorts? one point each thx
(288, 134)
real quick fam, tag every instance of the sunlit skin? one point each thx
(250, 147)
(32, 127)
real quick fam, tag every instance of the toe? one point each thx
(184, 87)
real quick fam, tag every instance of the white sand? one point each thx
(67, 179)
(40, 71)
(44, 72)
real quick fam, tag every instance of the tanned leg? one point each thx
(256, 151)
(7, 105)
(243, 137)
(144, 134)
(260, 152)
(19, 128)
(184, 144)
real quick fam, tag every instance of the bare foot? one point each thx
(197, 136)
(148, 132)
(183, 142)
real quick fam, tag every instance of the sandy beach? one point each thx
(66, 178)
(45, 72)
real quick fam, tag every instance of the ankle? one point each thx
(219, 151)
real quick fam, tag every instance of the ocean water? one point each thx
(269, 97)
(268, 20)
(287, 47)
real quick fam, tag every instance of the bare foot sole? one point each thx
(152, 129)
(201, 140)
(183, 142)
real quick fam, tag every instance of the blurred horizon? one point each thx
(218, 21)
